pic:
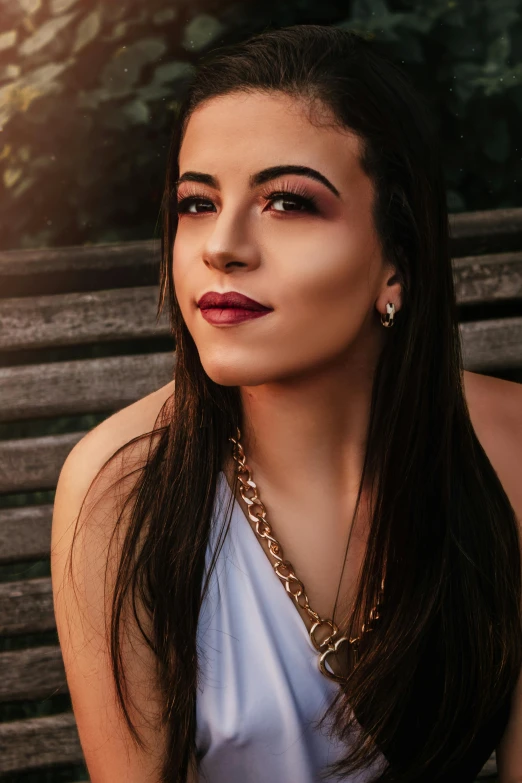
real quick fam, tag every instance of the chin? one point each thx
(227, 370)
(225, 375)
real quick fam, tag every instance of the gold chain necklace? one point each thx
(331, 644)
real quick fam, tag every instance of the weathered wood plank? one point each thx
(486, 231)
(25, 533)
(26, 606)
(130, 313)
(79, 268)
(82, 385)
(34, 673)
(80, 318)
(492, 345)
(486, 222)
(34, 463)
(39, 742)
(488, 278)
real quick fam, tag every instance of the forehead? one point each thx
(241, 132)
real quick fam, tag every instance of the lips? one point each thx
(230, 308)
(232, 299)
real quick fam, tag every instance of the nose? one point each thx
(230, 244)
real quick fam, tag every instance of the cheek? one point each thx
(330, 287)
(183, 272)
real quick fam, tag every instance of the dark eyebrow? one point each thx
(261, 177)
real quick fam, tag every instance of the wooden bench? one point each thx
(78, 340)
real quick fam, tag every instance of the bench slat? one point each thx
(25, 533)
(486, 225)
(81, 385)
(80, 318)
(54, 270)
(34, 463)
(480, 279)
(35, 673)
(492, 345)
(26, 606)
(39, 742)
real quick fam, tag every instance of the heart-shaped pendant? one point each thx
(332, 650)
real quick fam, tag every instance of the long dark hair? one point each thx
(443, 531)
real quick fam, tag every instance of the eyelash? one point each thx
(299, 193)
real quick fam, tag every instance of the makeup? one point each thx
(230, 307)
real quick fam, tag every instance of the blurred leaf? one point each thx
(30, 6)
(11, 176)
(137, 111)
(8, 39)
(9, 72)
(165, 15)
(87, 30)
(169, 72)
(498, 52)
(200, 31)
(45, 34)
(124, 70)
(18, 95)
(59, 6)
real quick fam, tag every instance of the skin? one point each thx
(304, 373)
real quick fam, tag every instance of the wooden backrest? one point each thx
(58, 308)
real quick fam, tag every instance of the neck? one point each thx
(307, 434)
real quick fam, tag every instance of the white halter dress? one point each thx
(260, 690)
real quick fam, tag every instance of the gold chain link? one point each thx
(331, 644)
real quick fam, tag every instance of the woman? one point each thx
(307, 269)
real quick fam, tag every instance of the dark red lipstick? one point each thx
(230, 308)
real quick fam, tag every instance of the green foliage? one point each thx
(87, 92)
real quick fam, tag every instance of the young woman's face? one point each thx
(312, 255)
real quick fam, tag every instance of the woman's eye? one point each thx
(186, 203)
(287, 202)
(292, 203)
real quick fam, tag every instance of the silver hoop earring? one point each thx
(387, 320)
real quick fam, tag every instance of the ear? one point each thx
(391, 290)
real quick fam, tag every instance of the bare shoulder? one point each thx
(489, 395)
(100, 443)
(495, 408)
(86, 459)
(85, 553)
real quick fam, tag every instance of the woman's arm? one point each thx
(82, 609)
(509, 751)
(509, 468)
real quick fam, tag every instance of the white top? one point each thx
(260, 689)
